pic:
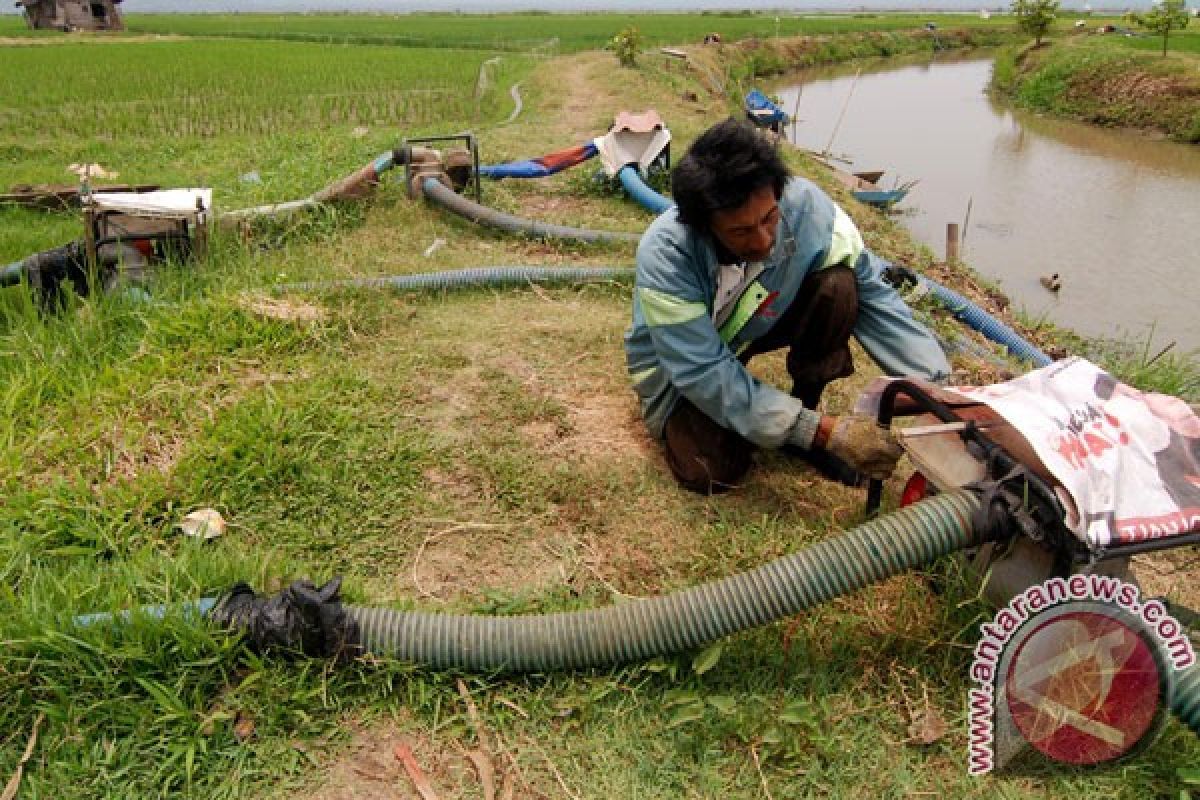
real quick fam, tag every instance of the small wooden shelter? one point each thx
(73, 15)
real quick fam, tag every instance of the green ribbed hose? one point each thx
(910, 538)
(1185, 697)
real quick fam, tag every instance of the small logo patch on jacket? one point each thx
(766, 309)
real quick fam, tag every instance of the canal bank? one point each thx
(1113, 215)
(1101, 81)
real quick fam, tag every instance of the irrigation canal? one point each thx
(1115, 214)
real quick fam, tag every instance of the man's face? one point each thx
(748, 231)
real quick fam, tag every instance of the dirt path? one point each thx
(580, 95)
(575, 82)
(570, 99)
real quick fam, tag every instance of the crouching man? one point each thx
(752, 260)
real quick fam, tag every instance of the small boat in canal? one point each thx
(865, 185)
(767, 114)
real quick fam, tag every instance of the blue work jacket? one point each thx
(680, 344)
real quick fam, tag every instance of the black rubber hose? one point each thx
(45, 271)
(908, 539)
(446, 198)
(57, 261)
(471, 278)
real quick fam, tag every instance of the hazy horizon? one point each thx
(565, 6)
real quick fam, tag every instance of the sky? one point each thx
(403, 6)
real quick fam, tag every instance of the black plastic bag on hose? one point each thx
(302, 617)
(53, 273)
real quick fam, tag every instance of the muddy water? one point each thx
(1115, 215)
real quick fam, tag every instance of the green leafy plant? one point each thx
(626, 44)
(1035, 17)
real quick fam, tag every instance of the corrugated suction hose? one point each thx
(975, 317)
(908, 539)
(1185, 698)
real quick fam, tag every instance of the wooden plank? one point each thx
(944, 427)
(60, 196)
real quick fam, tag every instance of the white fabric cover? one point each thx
(1128, 461)
(618, 148)
(163, 203)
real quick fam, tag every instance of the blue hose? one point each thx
(11, 274)
(474, 277)
(636, 188)
(199, 608)
(540, 167)
(385, 162)
(978, 319)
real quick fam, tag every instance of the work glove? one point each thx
(864, 444)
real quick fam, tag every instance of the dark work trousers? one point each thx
(707, 458)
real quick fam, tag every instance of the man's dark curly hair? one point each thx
(729, 162)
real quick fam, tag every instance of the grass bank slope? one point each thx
(1105, 81)
(737, 67)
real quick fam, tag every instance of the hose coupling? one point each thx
(1008, 507)
(301, 618)
(424, 162)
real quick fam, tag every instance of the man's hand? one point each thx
(861, 442)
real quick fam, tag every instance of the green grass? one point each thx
(15, 25)
(1180, 41)
(474, 451)
(1099, 80)
(167, 90)
(746, 68)
(204, 113)
(545, 33)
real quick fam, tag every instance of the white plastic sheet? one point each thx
(634, 139)
(162, 203)
(1127, 461)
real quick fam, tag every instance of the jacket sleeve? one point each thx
(698, 363)
(901, 346)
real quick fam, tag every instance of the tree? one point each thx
(1035, 17)
(1165, 16)
(626, 45)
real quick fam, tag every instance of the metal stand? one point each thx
(1046, 510)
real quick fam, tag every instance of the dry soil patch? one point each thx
(369, 770)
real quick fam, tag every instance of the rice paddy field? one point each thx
(545, 33)
(205, 112)
(475, 451)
